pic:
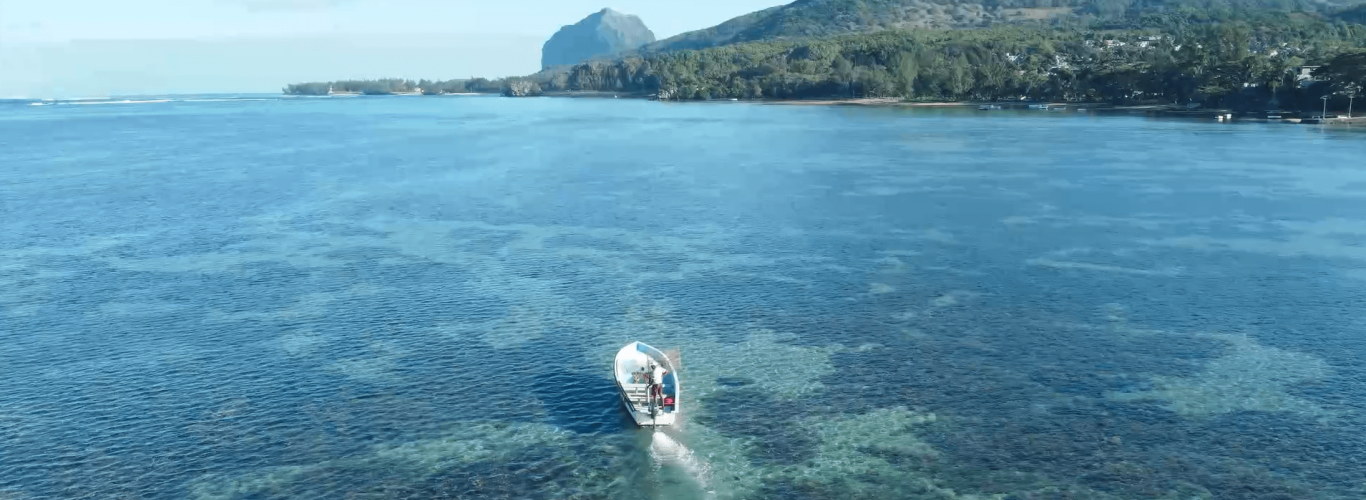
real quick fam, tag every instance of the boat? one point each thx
(648, 383)
(988, 107)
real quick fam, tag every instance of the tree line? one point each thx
(1243, 59)
(386, 86)
(1238, 58)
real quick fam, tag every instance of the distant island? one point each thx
(1248, 55)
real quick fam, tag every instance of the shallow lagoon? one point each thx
(419, 298)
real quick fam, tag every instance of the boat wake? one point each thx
(670, 456)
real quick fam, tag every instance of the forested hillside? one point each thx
(816, 18)
(1247, 54)
(1174, 59)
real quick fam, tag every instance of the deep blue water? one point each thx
(417, 297)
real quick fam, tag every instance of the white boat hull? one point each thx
(644, 419)
(646, 409)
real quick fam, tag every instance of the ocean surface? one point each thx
(419, 297)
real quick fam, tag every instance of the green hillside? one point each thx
(1355, 14)
(817, 18)
(1183, 59)
(1241, 54)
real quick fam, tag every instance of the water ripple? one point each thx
(224, 302)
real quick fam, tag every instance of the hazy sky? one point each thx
(88, 48)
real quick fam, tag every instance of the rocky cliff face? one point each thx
(521, 88)
(603, 33)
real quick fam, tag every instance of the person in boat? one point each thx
(657, 386)
(665, 401)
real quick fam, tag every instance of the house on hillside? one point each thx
(1304, 76)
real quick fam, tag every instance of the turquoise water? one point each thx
(418, 298)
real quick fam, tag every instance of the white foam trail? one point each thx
(224, 100)
(667, 452)
(125, 101)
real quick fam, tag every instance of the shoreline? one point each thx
(864, 101)
(1169, 110)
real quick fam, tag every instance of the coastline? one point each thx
(865, 101)
(1168, 110)
(594, 94)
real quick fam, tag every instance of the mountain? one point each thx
(1355, 14)
(815, 18)
(602, 33)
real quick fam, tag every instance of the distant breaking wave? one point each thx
(230, 99)
(88, 101)
(125, 101)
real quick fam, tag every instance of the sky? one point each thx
(98, 48)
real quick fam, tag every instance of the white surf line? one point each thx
(125, 101)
